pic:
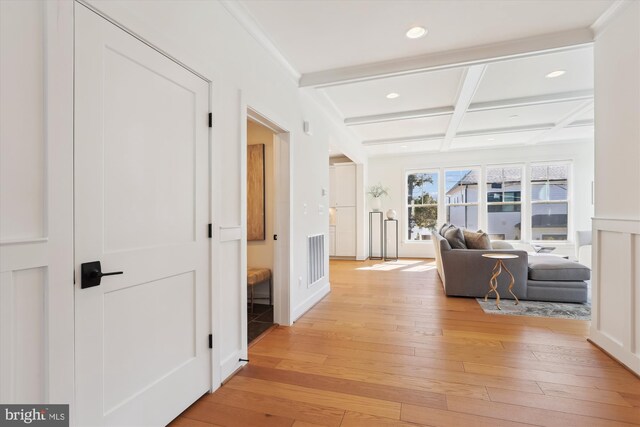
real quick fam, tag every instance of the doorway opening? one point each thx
(267, 225)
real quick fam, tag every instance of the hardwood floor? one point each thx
(387, 348)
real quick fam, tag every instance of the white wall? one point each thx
(615, 324)
(390, 171)
(36, 250)
(206, 37)
(36, 170)
(260, 252)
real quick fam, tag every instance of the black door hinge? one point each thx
(275, 237)
(210, 341)
(210, 231)
(210, 120)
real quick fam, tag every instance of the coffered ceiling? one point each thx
(478, 79)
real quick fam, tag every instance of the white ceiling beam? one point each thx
(513, 129)
(478, 106)
(401, 115)
(570, 118)
(520, 48)
(553, 98)
(470, 83)
(418, 138)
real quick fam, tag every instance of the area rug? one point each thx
(560, 310)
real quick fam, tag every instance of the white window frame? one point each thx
(477, 169)
(568, 200)
(406, 206)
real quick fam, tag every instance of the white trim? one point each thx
(249, 23)
(313, 299)
(470, 83)
(603, 21)
(520, 48)
(568, 119)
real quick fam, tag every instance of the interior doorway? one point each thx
(268, 224)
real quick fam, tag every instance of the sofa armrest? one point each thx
(468, 272)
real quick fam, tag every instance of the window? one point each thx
(461, 197)
(422, 204)
(504, 202)
(549, 202)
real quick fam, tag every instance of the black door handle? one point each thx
(91, 273)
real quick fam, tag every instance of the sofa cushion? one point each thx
(455, 237)
(477, 240)
(556, 269)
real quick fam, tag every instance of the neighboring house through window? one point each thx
(504, 202)
(461, 197)
(549, 202)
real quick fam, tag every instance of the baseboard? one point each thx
(230, 365)
(307, 304)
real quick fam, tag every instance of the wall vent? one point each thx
(315, 258)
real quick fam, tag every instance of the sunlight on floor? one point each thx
(411, 266)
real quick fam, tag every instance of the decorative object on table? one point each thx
(497, 270)
(256, 225)
(377, 192)
(391, 214)
(388, 222)
(372, 219)
(562, 310)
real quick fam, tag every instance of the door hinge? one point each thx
(210, 341)
(275, 237)
(210, 231)
(210, 120)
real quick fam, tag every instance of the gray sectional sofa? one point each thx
(465, 272)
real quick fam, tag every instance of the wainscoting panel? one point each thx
(616, 289)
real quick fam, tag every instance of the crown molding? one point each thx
(249, 23)
(520, 48)
(603, 21)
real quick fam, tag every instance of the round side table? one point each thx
(497, 269)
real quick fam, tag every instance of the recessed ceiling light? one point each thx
(554, 74)
(416, 32)
(491, 139)
(392, 95)
(403, 146)
(515, 116)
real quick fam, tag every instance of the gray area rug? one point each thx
(538, 309)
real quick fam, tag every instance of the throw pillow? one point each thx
(477, 240)
(455, 237)
(444, 228)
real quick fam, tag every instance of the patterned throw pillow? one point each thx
(477, 240)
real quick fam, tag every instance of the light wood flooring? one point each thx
(387, 348)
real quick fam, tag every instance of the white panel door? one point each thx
(141, 207)
(346, 231)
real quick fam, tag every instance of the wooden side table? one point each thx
(497, 269)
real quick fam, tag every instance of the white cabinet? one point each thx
(342, 200)
(332, 240)
(345, 231)
(345, 185)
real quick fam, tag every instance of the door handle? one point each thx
(91, 274)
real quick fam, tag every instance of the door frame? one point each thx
(214, 207)
(282, 222)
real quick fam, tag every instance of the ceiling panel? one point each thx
(517, 116)
(571, 133)
(318, 35)
(492, 141)
(403, 128)
(525, 77)
(403, 148)
(417, 91)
